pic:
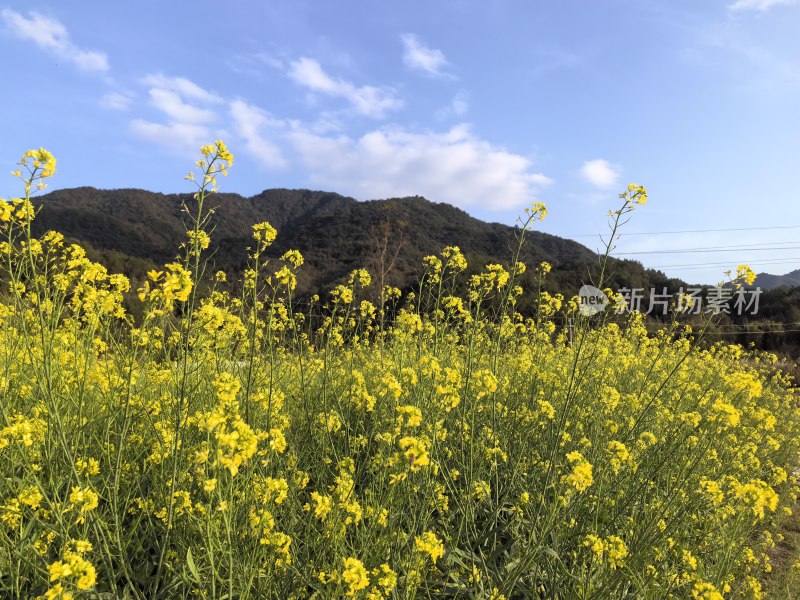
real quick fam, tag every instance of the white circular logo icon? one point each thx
(591, 300)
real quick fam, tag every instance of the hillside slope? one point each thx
(769, 282)
(334, 233)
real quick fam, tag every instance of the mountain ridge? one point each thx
(769, 281)
(334, 233)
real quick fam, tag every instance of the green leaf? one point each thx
(192, 566)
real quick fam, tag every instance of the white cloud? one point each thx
(174, 107)
(760, 5)
(367, 100)
(179, 137)
(51, 35)
(600, 173)
(182, 86)
(188, 111)
(453, 166)
(116, 101)
(250, 123)
(458, 107)
(419, 57)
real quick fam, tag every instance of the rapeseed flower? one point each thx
(354, 575)
(581, 476)
(428, 543)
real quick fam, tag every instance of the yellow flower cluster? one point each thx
(72, 572)
(246, 444)
(612, 550)
(354, 575)
(83, 500)
(429, 544)
(236, 442)
(581, 476)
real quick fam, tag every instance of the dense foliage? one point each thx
(336, 235)
(435, 444)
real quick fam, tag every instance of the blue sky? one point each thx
(487, 105)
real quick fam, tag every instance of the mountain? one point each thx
(769, 282)
(135, 228)
(132, 231)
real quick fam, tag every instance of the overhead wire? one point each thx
(748, 248)
(722, 264)
(751, 248)
(694, 231)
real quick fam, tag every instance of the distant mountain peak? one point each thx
(768, 282)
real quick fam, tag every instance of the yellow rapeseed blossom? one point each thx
(429, 544)
(354, 575)
(199, 238)
(177, 285)
(706, 591)
(415, 451)
(83, 500)
(293, 257)
(453, 259)
(537, 211)
(264, 234)
(322, 505)
(619, 455)
(757, 495)
(595, 545)
(74, 570)
(484, 382)
(385, 577)
(40, 161)
(31, 497)
(581, 476)
(616, 551)
(481, 491)
(6, 211)
(746, 274)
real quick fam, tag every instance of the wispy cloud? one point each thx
(171, 104)
(178, 137)
(52, 35)
(453, 166)
(367, 100)
(189, 112)
(754, 65)
(550, 60)
(182, 86)
(191, 117)
(600, 173)
(116, 101)
(250, 123)
(268, 59)
(458, 107)
(419, 57)
(760, 5)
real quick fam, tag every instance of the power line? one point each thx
(706, 249)
(735, 325)
(703, 268)
(584, 235)
(723, 264)
(698, 268)
(752, 332)
(764, 244)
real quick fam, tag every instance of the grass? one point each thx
(783, 582)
